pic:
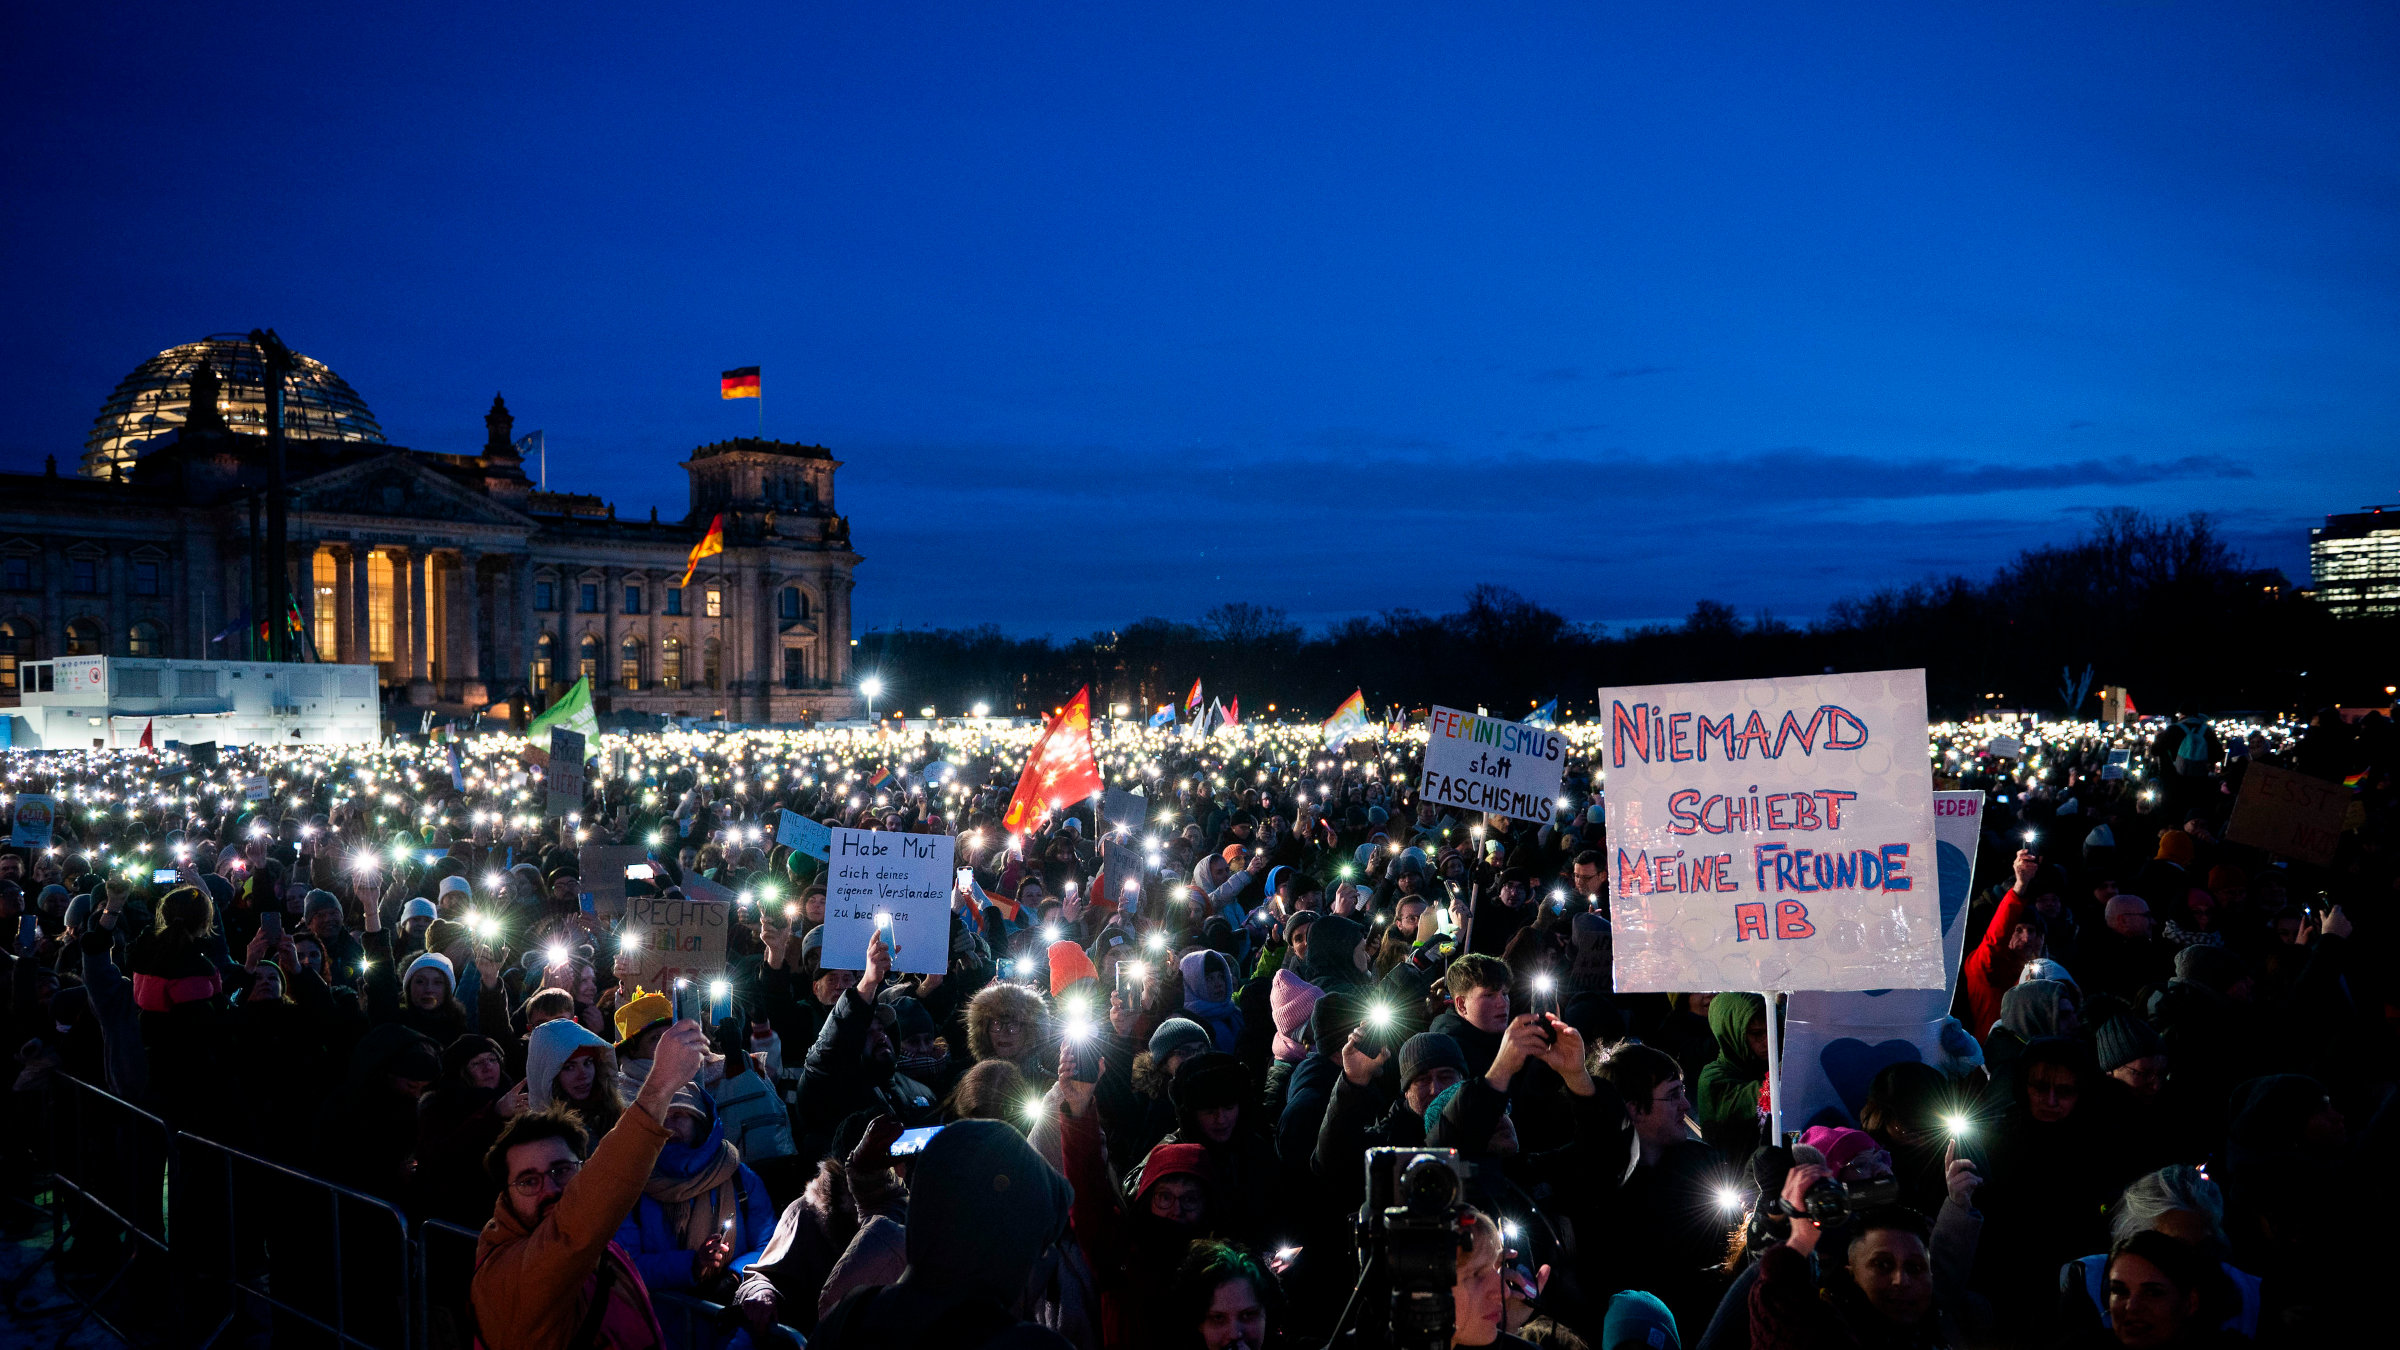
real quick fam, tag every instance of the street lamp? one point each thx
(871, 686)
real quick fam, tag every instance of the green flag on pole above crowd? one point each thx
(572, 711)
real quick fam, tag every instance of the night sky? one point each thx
(1116, 310)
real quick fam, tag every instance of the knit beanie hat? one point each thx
(2124, 1039)
(449, 884)
(2175, 846)
(1638, 1321)
(434, 961)
(318, 900)
(911, 1019)
(637, 1014)
(2121, 904)
(2043, 968)
(419, 908)
(1213, 1079)
(1426, 1051)
(2213, 968)
(456, 1054)
(1839, 1144)
(1178, 1034)
(79, 911)
(1067, 965)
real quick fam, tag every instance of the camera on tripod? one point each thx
(1410, 1232)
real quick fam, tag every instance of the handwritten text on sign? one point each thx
(1772, 834)
(675, 939)
(900, 882)
(1488, 764)
(2288, 813)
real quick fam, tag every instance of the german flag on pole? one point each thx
(710, 545)
(741, 383)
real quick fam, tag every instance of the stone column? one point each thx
(420, 683)
(470, 662)
(520, 598)
(360, 649)
(114, 606)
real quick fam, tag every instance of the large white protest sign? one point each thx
(1835, 1043)
(1772, 834)
(1488, 764)
(900, 882)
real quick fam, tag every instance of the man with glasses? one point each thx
(547, 1274)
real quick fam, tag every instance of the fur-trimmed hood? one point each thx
(994, 1001)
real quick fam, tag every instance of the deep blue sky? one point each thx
(1128, 309)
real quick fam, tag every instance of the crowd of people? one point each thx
(1138, 1106)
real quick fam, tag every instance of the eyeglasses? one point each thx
(559, 1175)
(1674, 1093)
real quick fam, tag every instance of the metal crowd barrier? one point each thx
(168, 1239)
(109, 1164)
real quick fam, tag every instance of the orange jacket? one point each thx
(531, 1286)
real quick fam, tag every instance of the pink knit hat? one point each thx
(1293, 999)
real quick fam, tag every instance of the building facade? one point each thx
(463, 585)
(2354, 563)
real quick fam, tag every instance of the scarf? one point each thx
(696, 1207)
(924, 1068)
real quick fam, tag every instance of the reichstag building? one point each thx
(468, 587)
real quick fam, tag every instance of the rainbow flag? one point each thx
(2353, 780)
(741, 383)
(1347, 721)
(882, 776)
(1191, 702)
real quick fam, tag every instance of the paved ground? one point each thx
(38, 1312)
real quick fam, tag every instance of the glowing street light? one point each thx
(872, 686)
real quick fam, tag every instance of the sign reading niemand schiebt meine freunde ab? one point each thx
(1493, 765)
(1772, 835)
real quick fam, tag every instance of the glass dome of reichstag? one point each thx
(156, 399)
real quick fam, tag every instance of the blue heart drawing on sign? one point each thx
(1851, 1065)
(1957, 875)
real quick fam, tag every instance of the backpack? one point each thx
(2191, 753)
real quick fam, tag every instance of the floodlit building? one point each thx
(2354, 562)
(449, 574)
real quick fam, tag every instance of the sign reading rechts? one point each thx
(1487, 764)
(675, 939)
(1772, 835)
(899, 882)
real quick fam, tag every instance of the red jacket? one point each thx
(1991, 970)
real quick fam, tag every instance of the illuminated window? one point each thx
(587, 661)
(379, 606)
(83, 638)
(326, 574)
(716, 603)
(545, 662)
(670, 663)
(16, 644)
(629, 662)
(142, 640)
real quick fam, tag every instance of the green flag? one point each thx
(572, 711)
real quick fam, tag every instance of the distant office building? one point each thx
(2355, 563)
(450, 574)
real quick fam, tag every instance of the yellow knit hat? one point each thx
(635, 1015)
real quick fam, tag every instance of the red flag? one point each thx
(146, 729)
(1061, 768)
(1233, 712)
(2129, 709)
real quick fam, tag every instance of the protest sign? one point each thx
(255, 789)
(2288, 813)
(601, 870)
(2005, 747)
(30, 819)
(2119, 760)
(1489, 764)
(1772, 834)
(1835, 1043)
(562, 777)
(1124, 808)
(802, 835)
(675, 940)
(899, 881)
(201, 754)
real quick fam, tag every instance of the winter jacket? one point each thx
(650, 1233)
(1991, 970)
(533, 1286)
(1729, 1085)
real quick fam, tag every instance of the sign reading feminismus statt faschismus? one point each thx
(1772, 834)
